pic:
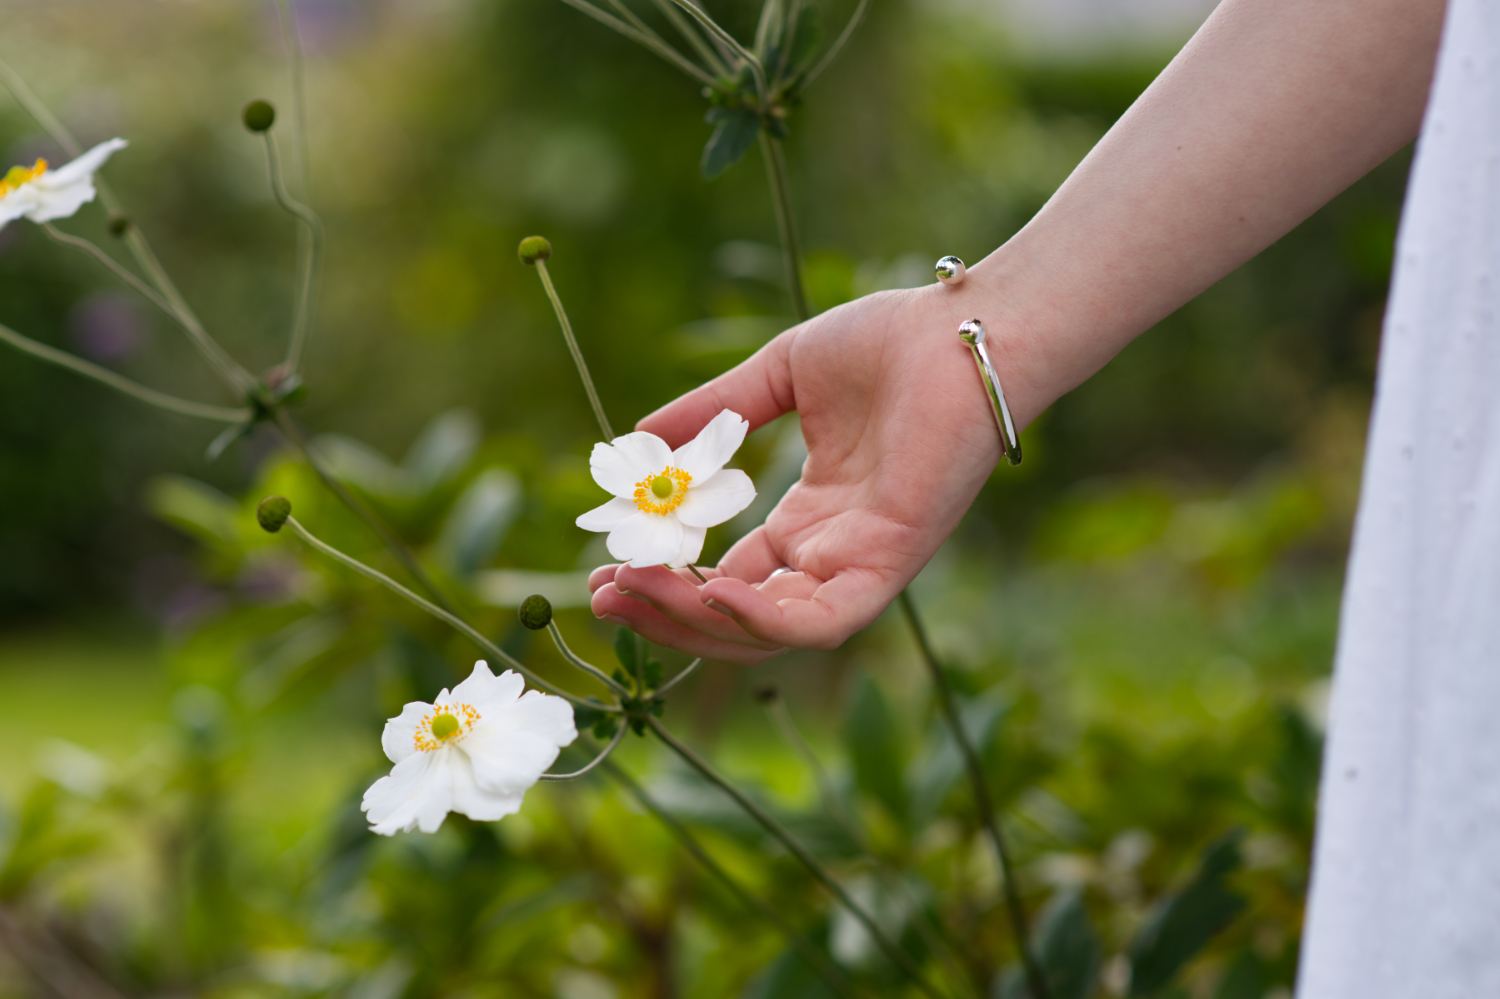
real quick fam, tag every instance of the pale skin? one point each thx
(1272, 108)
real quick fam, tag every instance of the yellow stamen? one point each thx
(18, 175)
(664, 492)
(447, 724)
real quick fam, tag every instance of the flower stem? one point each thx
(600, 758)
(786, 224)
(309, 254)
(812, 954)
(388, 537)
(161, 400)
(686, 672)
(694, 570)
(453, 620)
(583, 368)
(587, 667)
(896, 955)
(1036, 981)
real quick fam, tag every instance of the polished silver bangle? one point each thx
(951, 271)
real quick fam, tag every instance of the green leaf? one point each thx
(1246, 979)
(478, 521)
(1182, 924)
(652, 672)
(1067, 948)
(733, 136)
(874, 742)
(941, 766)
(789, 977)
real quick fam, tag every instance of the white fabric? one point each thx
(1405, 900)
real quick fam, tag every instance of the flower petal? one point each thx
(620, 464)
(418, 793)
(399, 740)
(472, 799)
(511, 749)
(718, 499)
(61, 192)
(609, 516)
(715, 444)
(646, 539)
(692, 546)
(82, 168)
(486, 692)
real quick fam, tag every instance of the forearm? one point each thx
(1274, 107)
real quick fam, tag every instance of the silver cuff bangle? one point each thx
(950, 271)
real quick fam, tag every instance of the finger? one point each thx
(834, 611)
(602, 575)
(752, 558)
(612, 605)
(760, 390)
(678, 600)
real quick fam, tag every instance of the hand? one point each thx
(900, 439)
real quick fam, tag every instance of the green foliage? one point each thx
(873, 737)
(1183, 923)
(735, 130)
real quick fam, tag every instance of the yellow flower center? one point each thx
(664, 492)
(447, 724)
(18, 175)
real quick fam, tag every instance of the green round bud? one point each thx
(259, 116)
(536, 612)
(444, 725)
(119, 224)
(273, 512)
(767, 693)
(534, 248)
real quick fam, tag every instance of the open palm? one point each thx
(900, 439)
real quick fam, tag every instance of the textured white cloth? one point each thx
(1405, 900)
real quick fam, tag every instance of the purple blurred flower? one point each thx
(107, 326)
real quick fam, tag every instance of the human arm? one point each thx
(1270, 110)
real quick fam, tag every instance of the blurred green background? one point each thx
(1140, 618)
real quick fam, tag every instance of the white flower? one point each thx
(42, 194)
(473, 751)
(665, 501)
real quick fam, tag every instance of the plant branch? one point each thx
(814, 956)
(1036, 981)
(150, 396)
(309, 254)
(786, 223)
(686, 672)
(651, 41)
(452, 620)
(756, 69)
(619, 734)
(293, 39)
(685, 28)
(583, 368)
(838, 44)
(587, 667)
(896, 955)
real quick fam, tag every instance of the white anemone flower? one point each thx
(41, 194)
(665, 501)
(474, 751)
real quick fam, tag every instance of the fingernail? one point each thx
(615, 619)
(635, 596)
(712, 604)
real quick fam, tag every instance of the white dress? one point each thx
(1405, 900)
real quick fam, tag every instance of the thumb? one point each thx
(760, 390)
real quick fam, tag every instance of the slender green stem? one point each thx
(587, 667)
(897, 956)
(600, 758)
(838, 44)
(756, 69)
(293, 39)
(814, 956)
(694, 570)
(12, 81)
(161, 400)
(453, 620)
(309, 255)
(583, 368)
(786, 224)
(652, 42)
(685, 28)
(289, 430)
(110, 264)
(1036, 981)
(687, 671)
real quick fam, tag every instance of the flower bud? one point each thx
(259, 116)
(534, 248)
(536, 612)
(767, 693)
(119, 224)
(273, 512)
